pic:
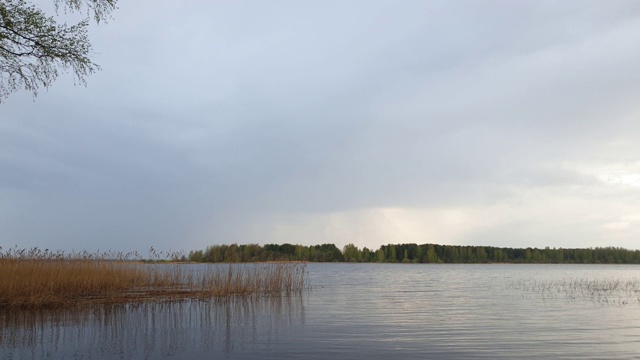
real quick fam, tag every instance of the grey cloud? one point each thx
(211, 117)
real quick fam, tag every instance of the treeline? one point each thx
(434, 253)
(269, 252)
(413, 253)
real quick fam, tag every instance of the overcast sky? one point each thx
(502, 123)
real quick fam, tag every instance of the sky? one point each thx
(498, 123)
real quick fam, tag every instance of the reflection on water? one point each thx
(372, 311)
(149, 331)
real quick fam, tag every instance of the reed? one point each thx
(42, 279)
(600, 291)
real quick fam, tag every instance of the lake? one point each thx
(379, 311)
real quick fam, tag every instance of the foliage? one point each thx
(35, 48)
(269, 252)
(414, 253)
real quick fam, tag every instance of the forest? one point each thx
(412, 253)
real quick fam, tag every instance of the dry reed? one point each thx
(41, 279)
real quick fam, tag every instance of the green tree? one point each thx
(432, 256)
(302, 253)
(481, 254)
(35, 48)
(196, 256)
(366, 255)
(419, 254)
(405, 256)
(393, 256)
(351, 253)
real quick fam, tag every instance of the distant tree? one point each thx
(432, 256)
(393, 256)
(288, 251)
(481, 254)
(232, 254)
(430, 253)
(351, 253)
(405, 257)
(419, 254)
(302, 253)
(36, 48)
(328, 252)
(366, 255)
(196, 256)
(250, 252)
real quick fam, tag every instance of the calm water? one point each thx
(366, 311)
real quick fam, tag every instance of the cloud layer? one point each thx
(501, 123)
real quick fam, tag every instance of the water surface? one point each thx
(365, 310)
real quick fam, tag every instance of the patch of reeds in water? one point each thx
(603, 291)
(42, 279)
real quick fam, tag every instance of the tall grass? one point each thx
(42, 279)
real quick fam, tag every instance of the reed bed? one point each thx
(42, 279)
(601, 291)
